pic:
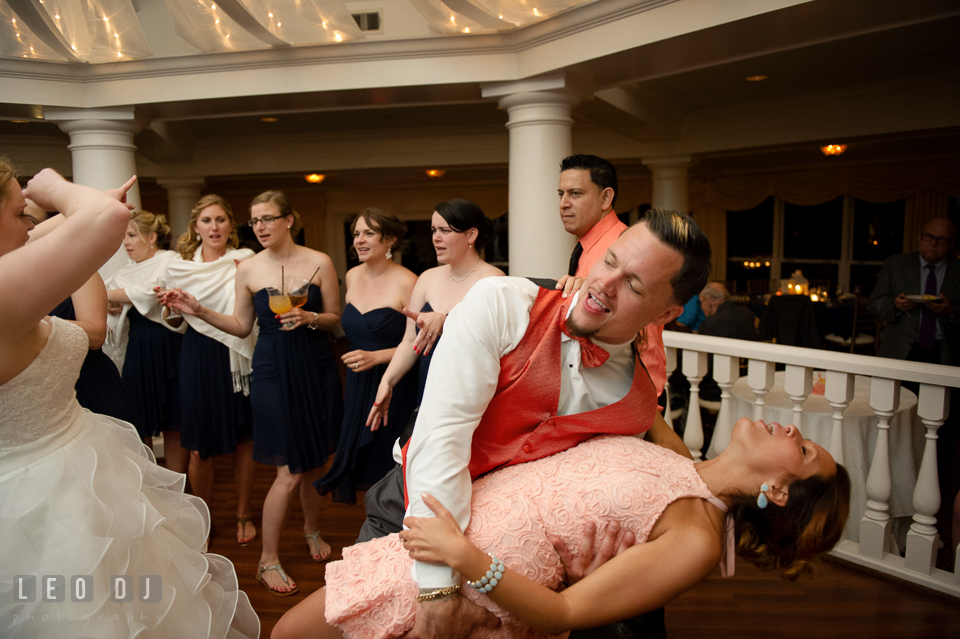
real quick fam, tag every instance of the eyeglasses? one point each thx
(935, 239)
(266, 219)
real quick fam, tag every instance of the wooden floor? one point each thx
(839, 602)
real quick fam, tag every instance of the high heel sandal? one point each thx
(283, 576)
(315, 536)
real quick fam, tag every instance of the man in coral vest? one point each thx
(588, 193)
(523, 373)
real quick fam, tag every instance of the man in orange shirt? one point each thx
(588, 192)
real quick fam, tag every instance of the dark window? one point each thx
(813, 232)
(877, 230)
(750, 244)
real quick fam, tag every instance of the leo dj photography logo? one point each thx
(53, 588)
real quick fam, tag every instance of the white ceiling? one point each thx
(657, 77)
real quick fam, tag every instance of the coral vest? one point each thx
(521, 422)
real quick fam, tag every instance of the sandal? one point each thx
(283, 575)
(243, 521)
(315, 536)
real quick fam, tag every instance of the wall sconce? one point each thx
(833, 149)
(314, 178)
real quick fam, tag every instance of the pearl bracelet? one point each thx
(313, 323)
(490, 580)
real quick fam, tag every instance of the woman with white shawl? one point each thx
(215, 366)
(145, 348)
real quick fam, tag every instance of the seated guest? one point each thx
(723, 319)
(692, 315)
(775, 497)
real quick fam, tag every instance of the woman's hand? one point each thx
(42, 189)
(359, 361)
(295, 318)
(569, 285)
(120, 194)
(437, 540)
(431, 327)
(179, 299)
(381, 405)
(114, 308)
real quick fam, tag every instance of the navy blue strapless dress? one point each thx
(295, 389)
(214, 419)
(151, 373)
(364, 457)
(425, 361)
(99, 387)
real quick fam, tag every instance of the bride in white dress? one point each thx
(81, 500)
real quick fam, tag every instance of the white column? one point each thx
(182, 194)
(540, 137)
(669, 182)
(875, 525)
(933, 407)
(102, 152)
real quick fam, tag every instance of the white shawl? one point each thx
(137, 279)
(214, 286)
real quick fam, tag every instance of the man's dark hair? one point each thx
(681, 233)
(602, 173)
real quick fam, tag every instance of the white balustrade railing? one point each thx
(870, 538)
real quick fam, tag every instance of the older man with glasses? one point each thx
(918, 294)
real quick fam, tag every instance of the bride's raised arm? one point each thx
(36, 277)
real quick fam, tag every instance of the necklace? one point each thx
(465, 276)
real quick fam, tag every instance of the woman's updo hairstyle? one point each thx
(384, 223)
(146, 223)
(790, 537)
(190, 240)
(463, 215)
(7, 173)
(284, 208)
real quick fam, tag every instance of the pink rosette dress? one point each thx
(81, 495)
(514, 511)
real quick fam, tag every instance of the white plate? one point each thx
(921, 298)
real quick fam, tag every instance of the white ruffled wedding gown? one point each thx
(81, 495)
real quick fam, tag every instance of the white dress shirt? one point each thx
(489, 323)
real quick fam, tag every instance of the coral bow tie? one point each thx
(591, 355)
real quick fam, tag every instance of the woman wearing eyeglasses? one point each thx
(295, 385)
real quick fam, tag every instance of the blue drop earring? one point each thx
(762, 499)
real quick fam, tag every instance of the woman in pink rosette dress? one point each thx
(686, 517)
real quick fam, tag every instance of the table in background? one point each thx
(859, 439)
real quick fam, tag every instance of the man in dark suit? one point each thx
(921, 331)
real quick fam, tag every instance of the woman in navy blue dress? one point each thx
(149, 348)
(460, 230)
(295, 385)
(377, 292)
(214, 366)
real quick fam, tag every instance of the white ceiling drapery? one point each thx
(100, 31)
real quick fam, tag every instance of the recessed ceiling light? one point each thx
(833, 149)
(435, 173)
(756, 78)
(269, 119)
(314, 178)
